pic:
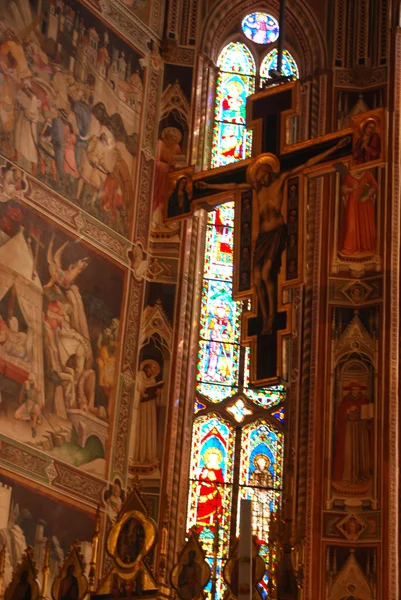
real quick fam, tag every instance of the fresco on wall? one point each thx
(354, 410)
(357, 220)
(352, 103)
(139, 8)
(114, 498)
(172, 145)
(150, 397)
(59, 333)
(28, 518)
(71, 99)
(351, 573)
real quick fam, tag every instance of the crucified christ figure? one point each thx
(264, 177)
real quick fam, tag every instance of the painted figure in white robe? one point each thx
(26, 126)
(94, 170)
(146, 399)
(29, 409)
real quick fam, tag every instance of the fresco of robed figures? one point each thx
(59, 332)
(351, 573)
(71, 98)
(28, 518)
(357, 216)
(172, 145)
(140, 8)
(149, 410)
(354, 400)
(367, 144)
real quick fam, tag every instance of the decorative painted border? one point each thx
(74, 219)
(71, 481)
(119, 17)
(300, 19)
(362, 77)
(393, 327)
(315, 268)
(177, 468)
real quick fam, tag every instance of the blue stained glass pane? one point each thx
(211, 475)
(289, 66)
(265, 397)
(236, 58)
(220, 583)
(260, 28)
(213, 392)
(279, 414)
(230, 143)
(218, 363)
(220, 248)
(260, 442)
(261, 473)
(198, 406)
(231, 98)
(223, 215)
(220, 315)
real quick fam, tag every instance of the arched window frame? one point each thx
(229, 397)
(272, 415)
(258, 53)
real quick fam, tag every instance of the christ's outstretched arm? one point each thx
(317, 159)
(202, 185)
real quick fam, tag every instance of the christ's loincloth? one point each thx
(269, 246)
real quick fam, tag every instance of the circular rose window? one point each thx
(260, 28)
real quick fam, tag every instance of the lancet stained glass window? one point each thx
(237, 443)
(235, 82)
(289, 66)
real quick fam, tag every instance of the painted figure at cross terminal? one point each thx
(368, 146)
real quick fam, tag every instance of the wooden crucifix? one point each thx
(267, 191)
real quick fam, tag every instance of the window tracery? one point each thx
(237, 79)
(237, 443)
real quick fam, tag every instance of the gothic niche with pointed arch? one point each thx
(353, 408)
(149, 410)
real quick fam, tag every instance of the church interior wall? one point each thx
(101, 101)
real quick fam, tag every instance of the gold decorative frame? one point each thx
(149, 528)
(26, 564)
(172, 180)
(74, 559)
(191, 546)
(233, 560)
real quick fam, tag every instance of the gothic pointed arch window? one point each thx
(238, 77)
(235, 82)
(238, 430)
(237, 440)
(289, 66)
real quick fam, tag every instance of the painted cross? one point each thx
(269, 209)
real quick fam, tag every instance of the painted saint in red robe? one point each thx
(358, 224)
(353, 444)
(211, 479)
(368, 147)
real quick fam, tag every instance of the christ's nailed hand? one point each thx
(201, 185)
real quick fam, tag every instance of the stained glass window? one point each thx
(235, 82)
(231, 419)
(260, 28)
(289, 66)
